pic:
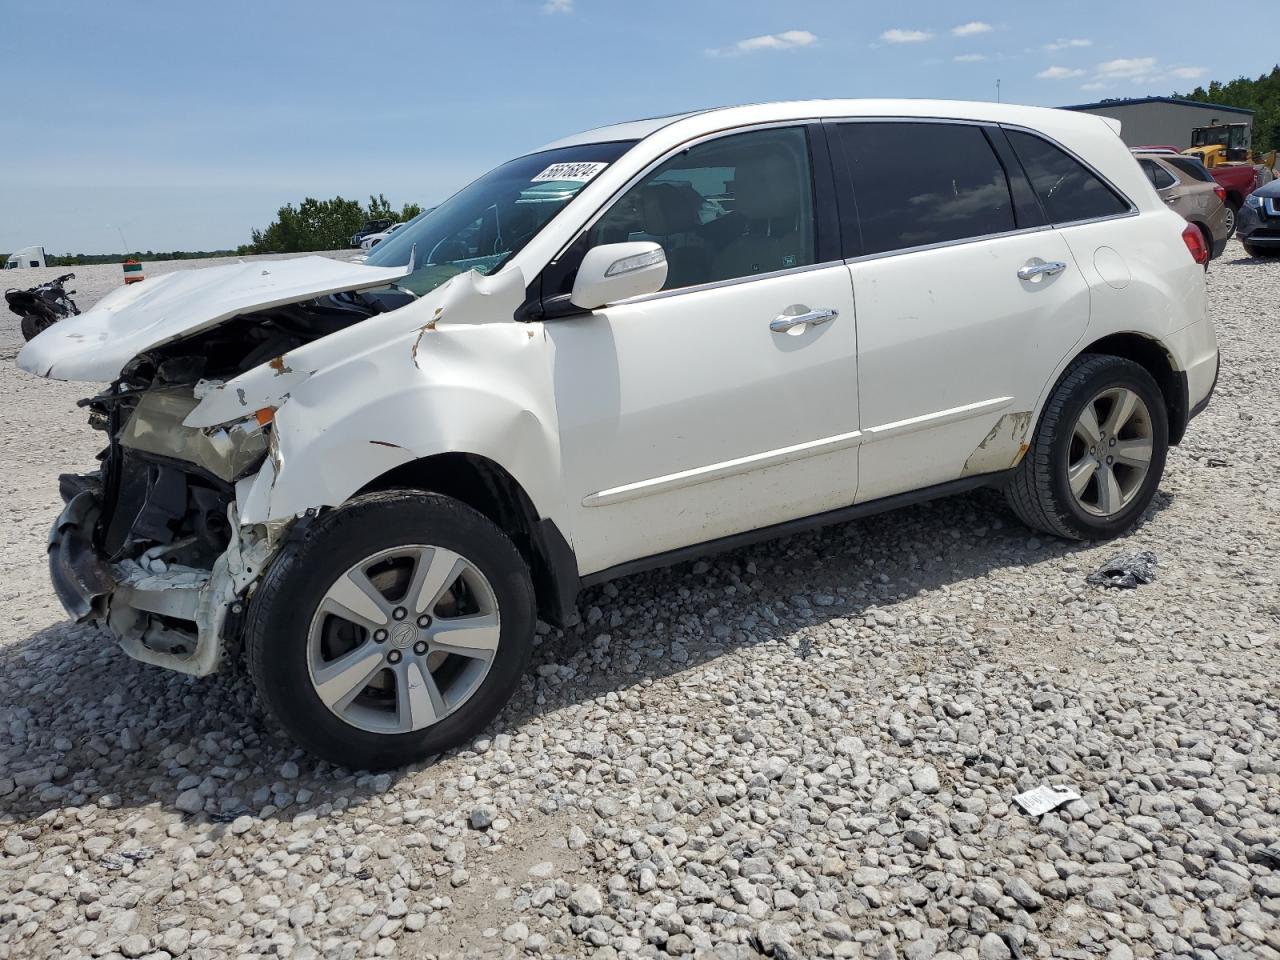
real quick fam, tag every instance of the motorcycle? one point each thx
(42, 306)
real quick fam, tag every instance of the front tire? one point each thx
(395, 628)
(1098, 453)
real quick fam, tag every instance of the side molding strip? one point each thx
(769, 458)
(717, 471)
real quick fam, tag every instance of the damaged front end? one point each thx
(151, 544)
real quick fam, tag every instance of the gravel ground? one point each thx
(805, 748)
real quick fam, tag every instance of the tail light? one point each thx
(1194, 240)
(1221, 191)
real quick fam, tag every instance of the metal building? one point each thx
(1163, 121)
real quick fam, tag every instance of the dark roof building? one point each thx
(1163, 121)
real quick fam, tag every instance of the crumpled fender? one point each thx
(452, 372)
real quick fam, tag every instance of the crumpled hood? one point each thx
(97, 344)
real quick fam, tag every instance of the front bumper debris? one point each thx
(168, 615)
(81, 579)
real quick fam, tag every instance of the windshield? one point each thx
(486, 223)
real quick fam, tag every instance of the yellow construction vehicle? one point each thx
(1226, 143)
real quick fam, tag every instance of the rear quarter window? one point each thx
(1190, 167)
(1068, 190)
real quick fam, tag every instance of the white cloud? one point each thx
(1092, 86)
(1127, 67)
(905, 36)
(1061, 44)
(970, 58)
(971, 28)
(787, 40)
(1058, 73)
(558, 6)
(1188, 73)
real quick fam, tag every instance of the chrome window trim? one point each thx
(718, 284)
(943, 244)
(1132, 210)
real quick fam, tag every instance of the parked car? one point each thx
(1259, 223)
(369, 241)
(374, 478)
(370, 227)
(1185, 185)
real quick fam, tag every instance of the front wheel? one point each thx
(1098, 452)
(396, 627)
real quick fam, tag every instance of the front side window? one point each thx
(486, 223)
(923, 183)
(1067, 189)
(733, 207)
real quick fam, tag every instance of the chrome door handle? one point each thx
(1033, 270)
(785, 322)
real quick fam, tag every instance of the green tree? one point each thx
(1262, 96)
(322, 224)
(312, 225)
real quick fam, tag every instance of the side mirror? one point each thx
(618, 271)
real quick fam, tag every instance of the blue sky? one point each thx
(184, 125)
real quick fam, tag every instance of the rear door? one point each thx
(1169, 187)
(966, 300)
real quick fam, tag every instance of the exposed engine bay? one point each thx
(166, 560)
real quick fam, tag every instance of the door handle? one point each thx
(789, 323)
(1042, 269)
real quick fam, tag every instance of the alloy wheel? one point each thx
(403, 638)
(1110, 451)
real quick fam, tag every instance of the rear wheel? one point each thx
(1256, 251)
(32, 326)
(1098, 453)
(398, 627)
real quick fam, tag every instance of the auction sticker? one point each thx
(573, 172)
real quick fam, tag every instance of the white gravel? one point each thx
(805, 748)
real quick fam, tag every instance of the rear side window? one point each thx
(923, 183)
(1068, 189)
(1190, 166)
(1158, 175)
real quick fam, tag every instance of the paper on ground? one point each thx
(1045, 798)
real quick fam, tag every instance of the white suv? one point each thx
(628, 348)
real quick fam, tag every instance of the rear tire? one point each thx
(1084, 477)
(1253, 251)
(33, 326)
(374, 688)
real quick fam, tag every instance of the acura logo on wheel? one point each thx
(402, 634)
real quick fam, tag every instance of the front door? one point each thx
(729, 401)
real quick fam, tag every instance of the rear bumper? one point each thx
(1199, 406)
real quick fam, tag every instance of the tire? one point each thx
(1040, 491)
(33, 326)
(1255, 251)
(288, 634)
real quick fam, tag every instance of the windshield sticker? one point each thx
(573, 172)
